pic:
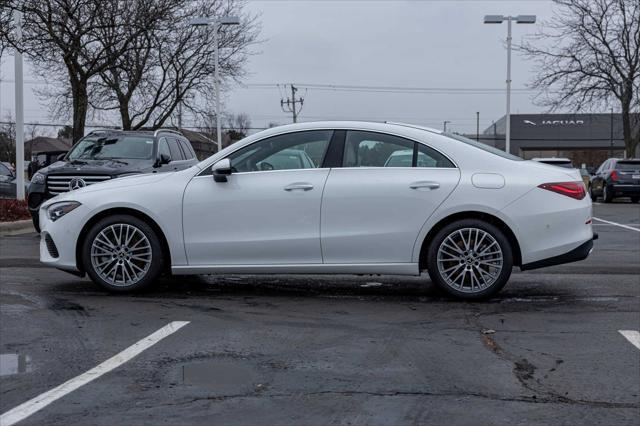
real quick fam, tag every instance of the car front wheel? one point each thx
(470, 259)
(607, 196)
(122, 253)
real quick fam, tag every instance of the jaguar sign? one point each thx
(554, 122)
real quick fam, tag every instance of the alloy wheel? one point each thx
(469, 260)
(121, 254)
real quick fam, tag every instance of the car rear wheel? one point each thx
(592, 193)
(470, 259)
(122, 253)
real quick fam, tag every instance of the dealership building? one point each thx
(584, 138)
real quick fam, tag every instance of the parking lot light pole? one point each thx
(498, 19)
(216, 23)
(19, 105)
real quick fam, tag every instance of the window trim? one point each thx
(206, 170)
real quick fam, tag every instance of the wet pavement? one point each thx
(331, 350)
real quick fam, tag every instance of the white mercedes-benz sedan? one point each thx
(328, 198)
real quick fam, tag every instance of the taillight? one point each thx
(570, 189)
(614, 175)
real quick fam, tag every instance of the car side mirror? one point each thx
(165, 158)
(221, 170)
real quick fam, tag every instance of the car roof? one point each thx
(380, 126)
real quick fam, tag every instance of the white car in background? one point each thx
(465, 212)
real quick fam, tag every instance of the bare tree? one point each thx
(6, 25)
(172, 64)
(66, 38)
(238, 126)
(588, 57)
(8, 140)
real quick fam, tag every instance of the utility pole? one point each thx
(290, 104)
(478, 126)
(19, 95)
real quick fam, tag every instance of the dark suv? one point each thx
(616, 178)
(108, 154)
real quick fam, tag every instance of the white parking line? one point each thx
(617, 224)
(632, 336)
(30, 407)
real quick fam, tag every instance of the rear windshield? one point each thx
(113, 147)
(565, 164)
(483, 147)
(628, 166)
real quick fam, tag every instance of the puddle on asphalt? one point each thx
(11, 364)
(225, 376)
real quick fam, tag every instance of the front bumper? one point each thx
(60, 238)
(579, 253)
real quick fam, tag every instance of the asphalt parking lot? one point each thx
(304, 350)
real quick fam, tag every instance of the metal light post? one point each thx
(19, 104)
(445, 125)
(216, 23)
(498, 19)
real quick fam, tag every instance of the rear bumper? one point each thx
(625, 190)
(579, 253)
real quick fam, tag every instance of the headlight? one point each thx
(57, 210)
(37, 178)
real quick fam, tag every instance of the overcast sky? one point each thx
(424, 44)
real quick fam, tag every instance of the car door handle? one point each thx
(299, 185)
(424, 184)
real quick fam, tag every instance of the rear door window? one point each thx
(174, 148)
(371, 149)
(186, 149)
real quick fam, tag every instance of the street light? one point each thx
(445, 125)
(216, 23)
(498, 19)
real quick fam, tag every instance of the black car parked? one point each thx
(616, 178)
(108, 154)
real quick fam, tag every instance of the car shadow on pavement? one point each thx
(372, 288)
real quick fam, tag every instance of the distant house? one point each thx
(203, 145)
(43, 151)
(44, 144)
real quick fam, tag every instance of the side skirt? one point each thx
(313, 268)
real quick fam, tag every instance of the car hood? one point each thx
(95, 167)
(122, 182)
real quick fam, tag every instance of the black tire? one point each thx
(36, 222)
(593, 195)
(635, 200)
(502, 276)
(155, 266)
(607, 196)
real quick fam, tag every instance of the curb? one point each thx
(17, 227)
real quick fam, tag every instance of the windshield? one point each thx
(483, 147)
(113, 147)
(628, 166)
